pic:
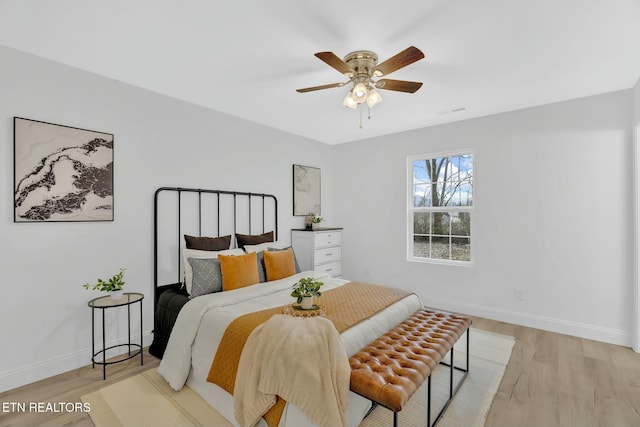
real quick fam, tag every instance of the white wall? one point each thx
(636, 104)
(553, 216)
(636, 144)
(158, 141)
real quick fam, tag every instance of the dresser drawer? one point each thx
(332, 238)
(325, 255)
(319, 250)
(333, 268)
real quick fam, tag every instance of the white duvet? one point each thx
(203, 320)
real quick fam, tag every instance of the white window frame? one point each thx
(453, 209)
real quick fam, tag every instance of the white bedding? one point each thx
(203, 320)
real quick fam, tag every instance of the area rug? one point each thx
(147, 400)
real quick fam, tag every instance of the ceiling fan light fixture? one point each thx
(360, 93)
(363, 71)
(373, 98)
(349, 102)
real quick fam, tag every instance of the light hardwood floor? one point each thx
(561, 380)
(68, 387)
(551, 380)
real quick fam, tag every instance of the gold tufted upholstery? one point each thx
(389, 370)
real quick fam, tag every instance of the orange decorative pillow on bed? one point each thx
(279, 264)
(238, 271)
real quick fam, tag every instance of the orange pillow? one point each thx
(279, 264)
(238, 271)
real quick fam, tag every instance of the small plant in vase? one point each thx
(316, 220)
(304, 291)
(113, 286)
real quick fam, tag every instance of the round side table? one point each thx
(104, 303)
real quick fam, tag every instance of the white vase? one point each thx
(315, 225)
(116, 294)
(307, 303)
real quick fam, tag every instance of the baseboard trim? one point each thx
(38, 371)
(582, 330)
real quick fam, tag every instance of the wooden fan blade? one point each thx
(398, 85)
(334, 61)
(402, 59)
(310, 89)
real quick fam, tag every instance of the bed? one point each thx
(192, 328)
(195, 211)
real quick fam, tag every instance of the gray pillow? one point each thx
(262, 276)
(207, 276)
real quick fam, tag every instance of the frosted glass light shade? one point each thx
(373, 98)
(350, 102)
(360, 93)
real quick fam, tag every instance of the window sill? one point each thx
(441, 262)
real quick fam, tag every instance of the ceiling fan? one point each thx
(361, 67)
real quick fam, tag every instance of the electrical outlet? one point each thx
(518, 294)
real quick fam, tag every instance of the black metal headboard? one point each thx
(196, 211)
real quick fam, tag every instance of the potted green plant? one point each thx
(315, 221)
(304, 291)
(113, 286)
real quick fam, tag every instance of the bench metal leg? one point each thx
(374, 405)
(429, 400)
(452, 391)
(451, 375)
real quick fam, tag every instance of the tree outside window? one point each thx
(440, 207)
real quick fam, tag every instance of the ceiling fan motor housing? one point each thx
(363, 62)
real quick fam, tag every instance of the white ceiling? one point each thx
(246, 58)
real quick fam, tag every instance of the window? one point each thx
(440, 208)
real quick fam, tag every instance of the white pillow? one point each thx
(263, 246)
(195, 253)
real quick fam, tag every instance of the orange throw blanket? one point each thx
(345, 306)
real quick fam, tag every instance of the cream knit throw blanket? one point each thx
(299, 359)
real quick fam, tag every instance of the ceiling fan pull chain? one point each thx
(360, 118)
(368, 112)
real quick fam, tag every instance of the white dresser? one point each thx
(319, 250)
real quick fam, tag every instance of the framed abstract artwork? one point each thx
(61, 173)
(306, 190)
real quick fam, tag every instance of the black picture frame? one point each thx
(61, 173)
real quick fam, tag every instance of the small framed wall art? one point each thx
(306, 190)
(61, 173)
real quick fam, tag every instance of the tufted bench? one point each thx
(389, 370)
